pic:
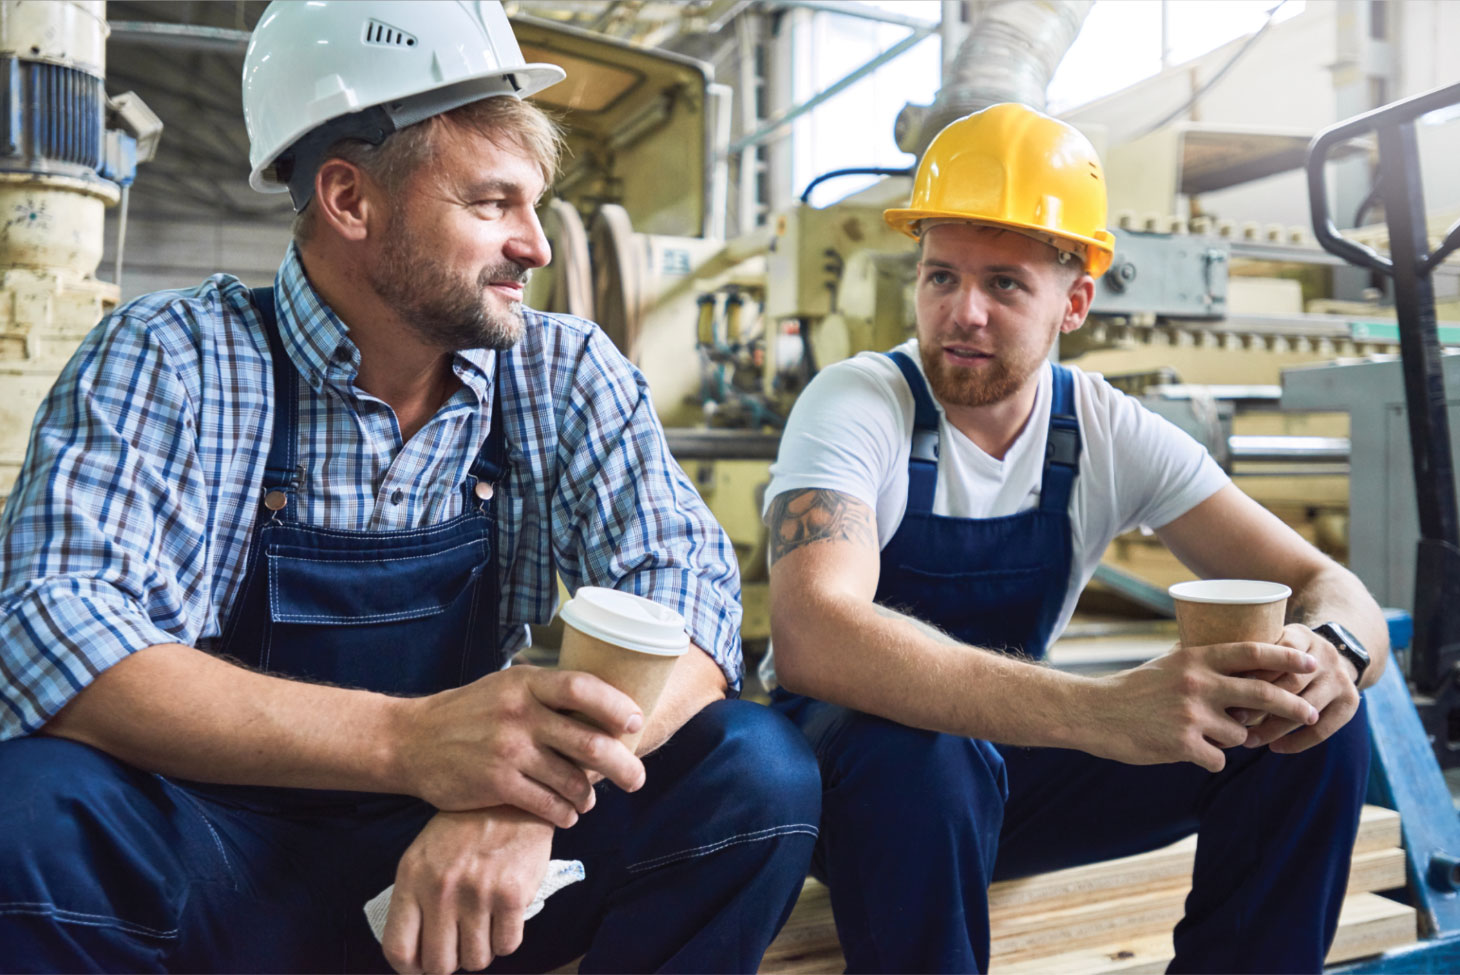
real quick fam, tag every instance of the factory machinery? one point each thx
(67, 152)
(1197, 317)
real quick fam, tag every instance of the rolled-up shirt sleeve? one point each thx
(103, 543)
(626, 516)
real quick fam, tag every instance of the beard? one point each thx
(444, 309)
(998, 380)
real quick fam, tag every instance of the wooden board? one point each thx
(1120, 912)
(1131, 914)
(1367, 925)
(1378, 829)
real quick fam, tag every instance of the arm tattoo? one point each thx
(801, 517)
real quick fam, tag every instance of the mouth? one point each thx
(512, 290)
(965, 355)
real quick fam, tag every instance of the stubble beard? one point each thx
(445, 310)
(994, 383)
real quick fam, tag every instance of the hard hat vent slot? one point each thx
(384, 35)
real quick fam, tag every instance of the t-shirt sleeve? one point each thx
(1160, 471)
(843, 435)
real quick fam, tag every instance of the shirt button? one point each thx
(397, 496)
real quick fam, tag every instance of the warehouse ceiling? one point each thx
(190, 78)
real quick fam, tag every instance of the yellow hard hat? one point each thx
(1010, 166)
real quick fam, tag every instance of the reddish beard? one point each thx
(996, 381)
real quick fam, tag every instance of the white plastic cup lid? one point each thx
(1232, 591)
(626, 620)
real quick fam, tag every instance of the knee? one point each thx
(61, 798)
(921, 769)
(758, 754)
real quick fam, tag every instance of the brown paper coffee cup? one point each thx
(1211, 611)
(624, 640)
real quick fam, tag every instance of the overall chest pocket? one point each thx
(345, 589)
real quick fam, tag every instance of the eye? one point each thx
(938, 277)
(1004, 284)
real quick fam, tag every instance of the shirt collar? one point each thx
(313, 335)
(318, 341)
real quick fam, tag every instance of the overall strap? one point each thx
(922, 462)
(280, 470)
(491, 464)
(1062, 447)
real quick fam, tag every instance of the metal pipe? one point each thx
(121, 234)
(952, 30)
(698, 444)
(772, 125)
(195, 37)
(1009, 55)
(1320, 450)
(747, 38)
(731, 444)
(718, 101)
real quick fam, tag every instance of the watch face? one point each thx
(1346, 644)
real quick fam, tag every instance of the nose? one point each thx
(970, 307)
(529, 246)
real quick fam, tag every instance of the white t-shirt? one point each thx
(851, 431)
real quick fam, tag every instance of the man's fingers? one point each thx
(474, 940)
(506, 931)
(1262, 696)
(438, 940)
(533, 797)
(599, 702)
(1269, 731)
(593, 750)
(561, 776)
(1335, 716)
(1235, 658)
(401, 939)
(1226, 733)
(1208, 756)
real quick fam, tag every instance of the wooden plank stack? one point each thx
(1117, 916)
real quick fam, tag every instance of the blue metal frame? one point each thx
(1405, 776)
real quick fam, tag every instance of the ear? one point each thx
(1082, 293)
(345, 197)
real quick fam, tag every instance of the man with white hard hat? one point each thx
(966, 482)
(271, 552)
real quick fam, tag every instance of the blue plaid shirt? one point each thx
(130, 523)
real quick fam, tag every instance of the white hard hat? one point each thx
(319, 71)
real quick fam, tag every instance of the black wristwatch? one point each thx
(1347, 645)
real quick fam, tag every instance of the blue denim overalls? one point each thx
(104, 867)
(917, 824)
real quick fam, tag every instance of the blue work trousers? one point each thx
(916, 825)
(107, 868)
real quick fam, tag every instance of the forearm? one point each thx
(851, 652)
(179, 711)
(1335, 594)
(695, 682)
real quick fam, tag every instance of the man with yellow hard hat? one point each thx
(934, 514)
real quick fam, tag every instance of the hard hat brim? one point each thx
(1099, 250)
(528, 80)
